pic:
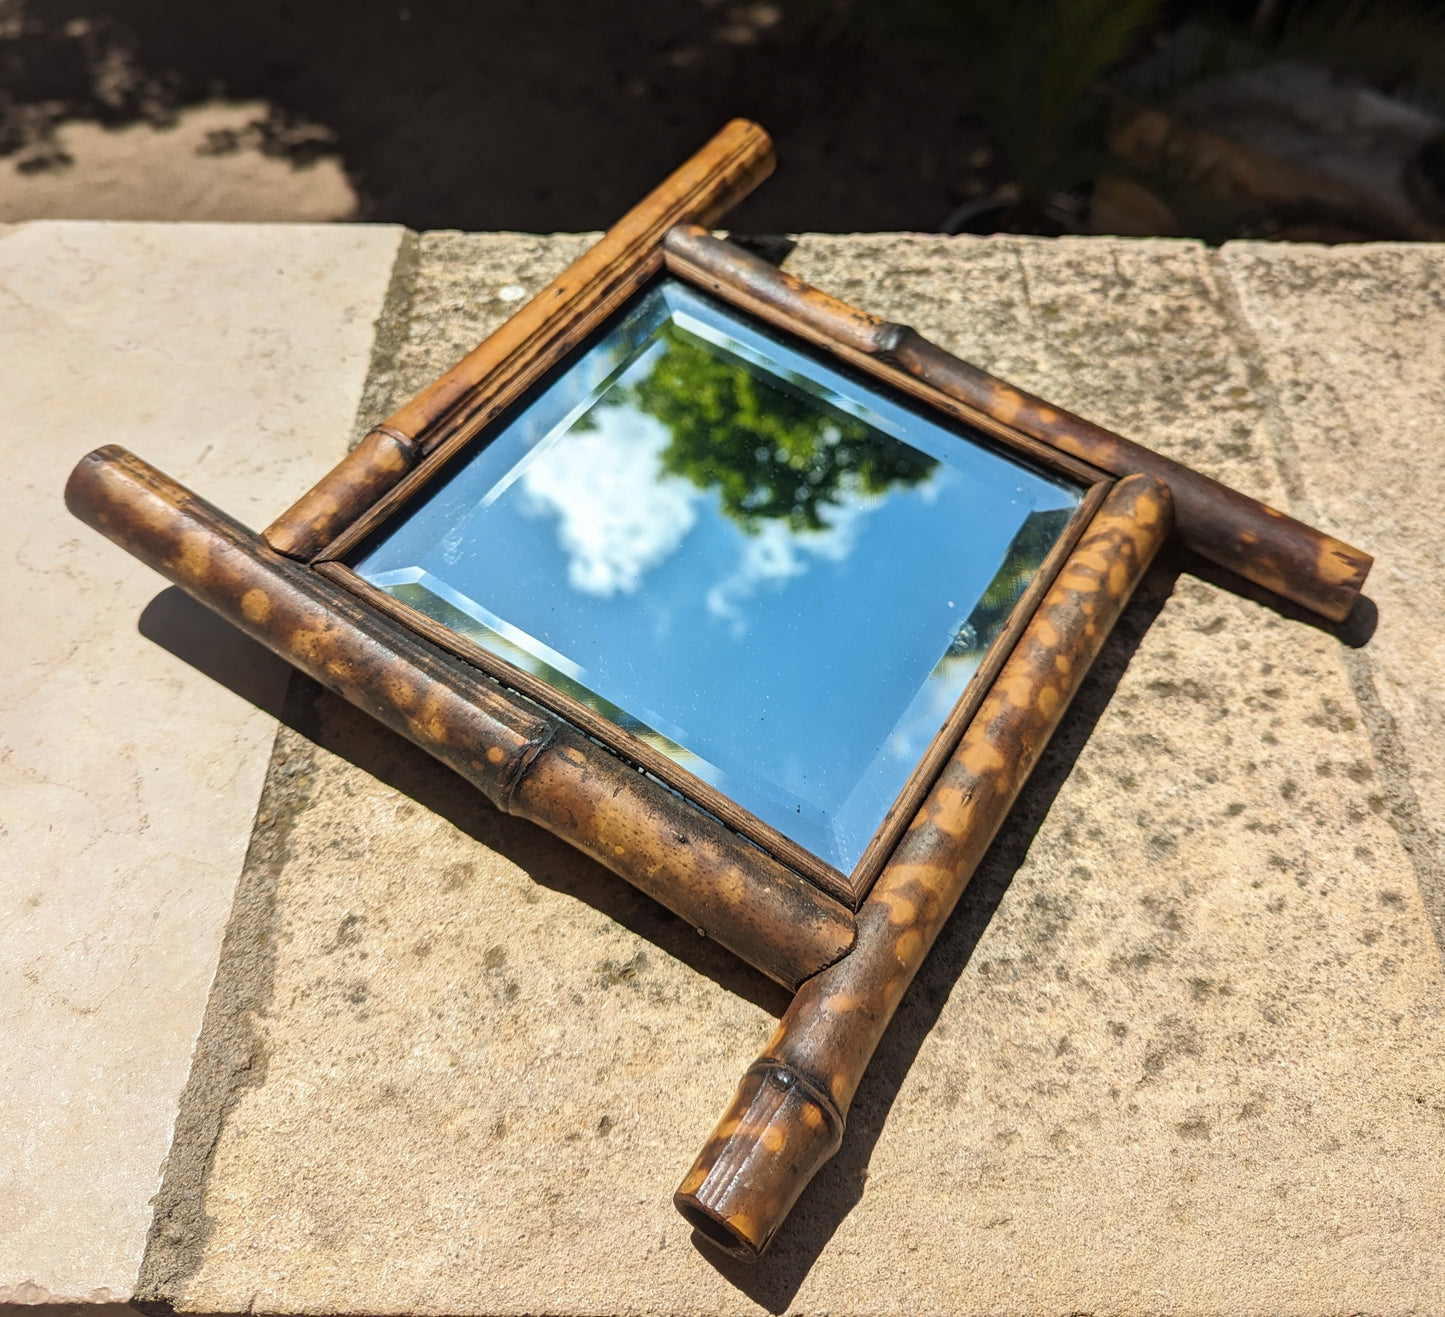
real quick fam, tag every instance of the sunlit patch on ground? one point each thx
(216, 161)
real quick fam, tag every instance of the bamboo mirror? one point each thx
(765, 604)
(699, 542)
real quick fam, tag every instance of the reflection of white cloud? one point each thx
(776, 552)
(618, 515)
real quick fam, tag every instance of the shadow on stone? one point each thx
(1355, 631)
(212, 646)
(199, 638)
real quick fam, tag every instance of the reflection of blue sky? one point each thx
(617, 516)
(803, 667)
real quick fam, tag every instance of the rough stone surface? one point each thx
(1179, 1049)
(449, 292)
(1353, 341)
(233, 358)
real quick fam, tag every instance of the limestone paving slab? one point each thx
(1180, 1049)
(233, 357)
(1353, 341)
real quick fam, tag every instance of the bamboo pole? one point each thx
(787, 1117)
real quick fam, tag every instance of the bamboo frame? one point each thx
(848, 944)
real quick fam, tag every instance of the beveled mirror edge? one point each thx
(911, 796)
(573, 324)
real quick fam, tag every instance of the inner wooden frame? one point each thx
(511, 386)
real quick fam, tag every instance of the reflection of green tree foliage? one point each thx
(772, 453)
(1038, 534)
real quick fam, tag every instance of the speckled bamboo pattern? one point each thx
(787, 1117)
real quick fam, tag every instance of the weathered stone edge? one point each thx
(230, 1051)
(229, 1054)
(1426, 851)
(392, 324)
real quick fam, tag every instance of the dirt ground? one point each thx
(504, 114)
(508, 114)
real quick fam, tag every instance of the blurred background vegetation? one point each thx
(1307, 119)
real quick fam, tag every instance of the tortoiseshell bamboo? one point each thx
(526, 761)
(788, 1115)
(720, 175)
(1237, 532)
(352, 485)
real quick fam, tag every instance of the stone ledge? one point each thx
(1180, 1047)
(234, 356)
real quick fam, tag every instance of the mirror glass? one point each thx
(776, 574)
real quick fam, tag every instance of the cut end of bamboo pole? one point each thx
(366, 473)
(776, 1134)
